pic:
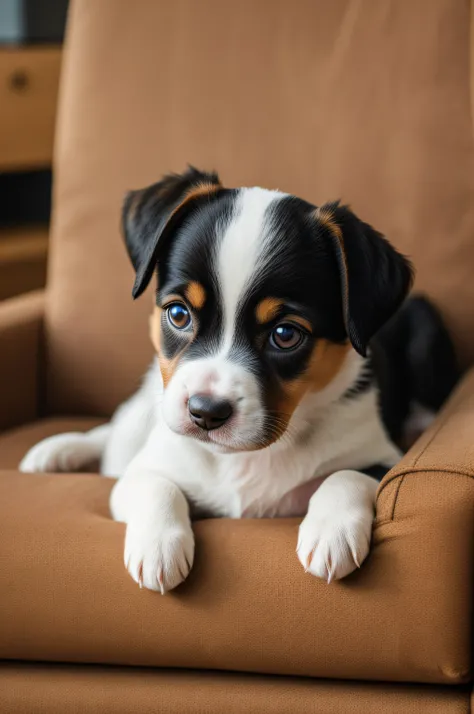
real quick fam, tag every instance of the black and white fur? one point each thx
(334, 282)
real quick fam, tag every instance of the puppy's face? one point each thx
(254, 303)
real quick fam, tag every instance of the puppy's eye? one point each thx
(286, 337)
(178, 316)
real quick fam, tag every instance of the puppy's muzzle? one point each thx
(209, 412)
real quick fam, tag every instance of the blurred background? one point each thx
(31, 36)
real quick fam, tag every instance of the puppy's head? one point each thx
(265, 303)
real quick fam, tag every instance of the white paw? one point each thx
(159, 558)
(334, 538)
(333, 547)
(61, 453)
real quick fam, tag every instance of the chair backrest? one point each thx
(353, 99)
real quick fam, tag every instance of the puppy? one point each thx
(262, 400)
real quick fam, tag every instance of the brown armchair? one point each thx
(360, 100)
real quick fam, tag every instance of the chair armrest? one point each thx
(424, 532)
(444, 451)
(21, 330)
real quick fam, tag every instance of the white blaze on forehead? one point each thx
(241, 250)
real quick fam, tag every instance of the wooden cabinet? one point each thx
(29, 80)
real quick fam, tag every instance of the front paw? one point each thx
(332, 546)
(159, 558)
(60, 453)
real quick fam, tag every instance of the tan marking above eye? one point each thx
(267, 309)
(196, 294)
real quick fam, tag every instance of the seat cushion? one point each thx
(247, 605)
(55, 689)
(15, 443)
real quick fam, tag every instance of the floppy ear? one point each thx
(375, 278)
(150, 215)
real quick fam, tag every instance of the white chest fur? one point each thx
(280, 479)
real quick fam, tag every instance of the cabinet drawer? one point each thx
(28, 94)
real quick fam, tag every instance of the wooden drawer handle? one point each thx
(19, 80)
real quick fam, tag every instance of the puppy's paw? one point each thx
(64, 452)
(159, 558)
(334, 538)
(333, 545)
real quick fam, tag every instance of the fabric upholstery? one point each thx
(365, 101)
(15, 443)
(447, 446)
(248, 605)
(57, 689)
(21, 333)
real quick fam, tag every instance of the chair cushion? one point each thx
(247, 605)
(15, 443)
(55, 689)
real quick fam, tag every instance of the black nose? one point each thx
(209, 412)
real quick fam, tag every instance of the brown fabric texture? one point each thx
(446, 447)
(313, 97)
(15, 443)
(53, 689)
(248, 605)
(21, 334)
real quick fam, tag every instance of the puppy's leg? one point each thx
(334, 537)
(159, 541)
(67, 452)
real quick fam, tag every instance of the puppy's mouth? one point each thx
(224, 439)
